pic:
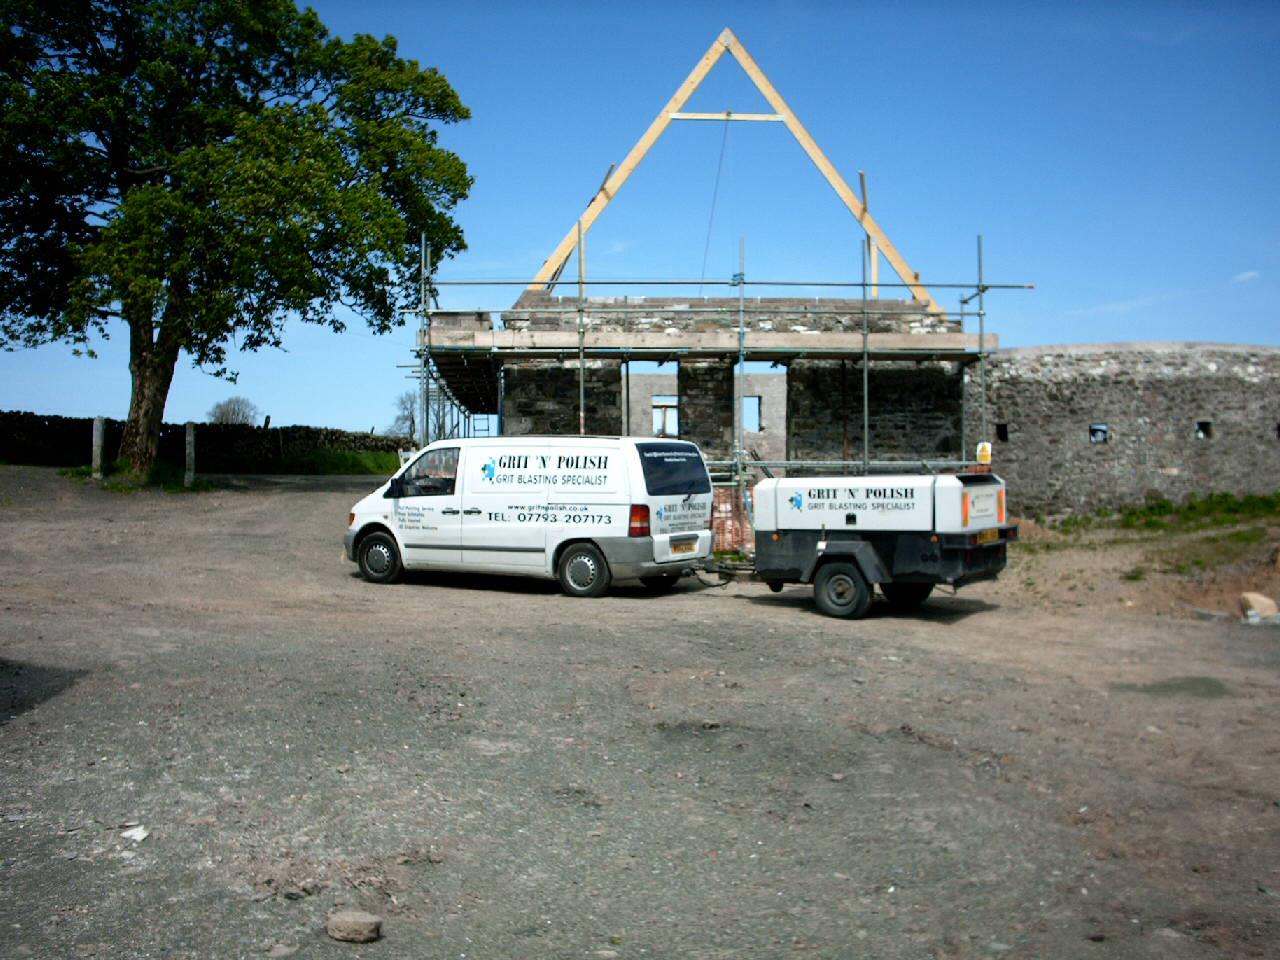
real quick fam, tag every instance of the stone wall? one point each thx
(220, 448)
(706, 391)
(541, 397)
(770, 441)
(1150, 397)
(915, 410)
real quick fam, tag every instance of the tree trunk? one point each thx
(151, 364)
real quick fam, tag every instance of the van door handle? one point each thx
(472, 512)
(450, 512)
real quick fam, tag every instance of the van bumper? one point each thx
(630, 558)
(349, 544)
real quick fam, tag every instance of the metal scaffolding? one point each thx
(461, 372)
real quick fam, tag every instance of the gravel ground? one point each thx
(501, 771)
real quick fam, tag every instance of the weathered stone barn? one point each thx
(1074, 428)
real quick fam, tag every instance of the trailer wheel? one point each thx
(840, 590)
(775, 585)
(582, 571)
(379, 558)
(906, 596)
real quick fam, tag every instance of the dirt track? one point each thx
(501, 771)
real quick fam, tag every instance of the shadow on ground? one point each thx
(934, 610)
(27, 685)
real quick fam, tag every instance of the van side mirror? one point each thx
(395, 490)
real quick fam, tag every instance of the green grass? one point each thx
(343, 463)
(168, 476)
(1217, 509)
(1194, 513)
(1206, 687)
(1193, 555)
(1137, 573)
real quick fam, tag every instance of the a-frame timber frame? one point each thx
(546, 277)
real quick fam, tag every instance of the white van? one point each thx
(582, 510)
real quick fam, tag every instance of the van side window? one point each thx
(433, 474)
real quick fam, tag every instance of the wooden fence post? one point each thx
(189, 478)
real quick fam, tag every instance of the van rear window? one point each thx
(673, 468)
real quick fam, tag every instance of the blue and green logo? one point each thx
(489, 469)
(797, 501)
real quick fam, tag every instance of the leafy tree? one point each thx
(205, 170)
(406, 422)
(234, 410)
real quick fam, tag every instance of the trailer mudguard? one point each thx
(859, 551)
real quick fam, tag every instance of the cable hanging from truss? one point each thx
(715, 193)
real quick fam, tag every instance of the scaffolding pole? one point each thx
(444, 416)
(582, 337)
(740, 452)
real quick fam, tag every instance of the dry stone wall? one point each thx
(220, 448)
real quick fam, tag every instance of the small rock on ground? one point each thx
(1256, 603)
(354, 926)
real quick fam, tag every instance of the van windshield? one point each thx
(673, 468)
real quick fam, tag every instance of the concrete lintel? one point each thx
(713, 342)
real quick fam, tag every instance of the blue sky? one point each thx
(1124, 158)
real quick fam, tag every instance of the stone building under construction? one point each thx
(834, 384)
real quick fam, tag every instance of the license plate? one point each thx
(988, 536)
(687, 547)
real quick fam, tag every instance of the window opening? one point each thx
(1099, 433)
(1204, 430)
(752, 414)
(666, 416)
(1002, 432)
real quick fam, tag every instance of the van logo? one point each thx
(659, 513)
(797, 500)
(489, 469)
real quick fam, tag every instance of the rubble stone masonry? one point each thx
(1181, 419)
(915, 410)
(541, 397)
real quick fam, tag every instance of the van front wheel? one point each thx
(379, 558)
(840, 590)
(582, 571)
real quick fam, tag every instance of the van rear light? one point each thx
(639, 523)
(1000, 505)
(964, 508)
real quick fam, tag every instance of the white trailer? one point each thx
(904, 533)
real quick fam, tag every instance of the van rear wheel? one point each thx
(840, 590)
(582, 571)
(906, 596)
(379, 558)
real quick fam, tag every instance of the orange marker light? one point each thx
(964, 508)
(1000, 505)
